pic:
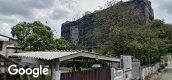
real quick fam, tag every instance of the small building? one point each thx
(54, 60)
(7, 45)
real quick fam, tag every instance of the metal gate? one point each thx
(95, 74)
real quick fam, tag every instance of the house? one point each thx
(7, 45)
(3, 44)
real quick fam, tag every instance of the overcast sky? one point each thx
(55, 12)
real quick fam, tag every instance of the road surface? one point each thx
(167, 74)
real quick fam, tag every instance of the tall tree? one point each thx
(33, 36)
(147, 43)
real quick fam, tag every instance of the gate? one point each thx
(95, 74)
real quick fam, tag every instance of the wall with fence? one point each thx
(108, 74)
(146, 71)
(112, 74)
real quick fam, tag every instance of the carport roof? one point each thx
(64, 55)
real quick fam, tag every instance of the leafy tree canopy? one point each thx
(33, 36)
(147, 43)
(38, 37)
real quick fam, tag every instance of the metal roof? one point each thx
(63, 55)
(8, 37)
(3, 38)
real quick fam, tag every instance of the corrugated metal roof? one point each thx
(8, 37)
(3, 38)
(63, 55)
(44, 55)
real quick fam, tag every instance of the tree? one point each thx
(146, 43)
(122, 30)
(61, 44)
(119, 32)
(39, 37)
(33, 36)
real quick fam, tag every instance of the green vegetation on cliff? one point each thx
(120, 34)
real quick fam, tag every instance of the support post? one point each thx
(55, 70)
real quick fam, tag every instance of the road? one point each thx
(167, 74)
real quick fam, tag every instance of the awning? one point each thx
(64, 55)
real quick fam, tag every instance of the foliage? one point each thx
(119, 31)
(33, 36)
(117, 15)
(61, 44)
(38, 37)
(147, 43)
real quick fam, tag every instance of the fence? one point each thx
(107, 74)
(149, 70)
(95, 74)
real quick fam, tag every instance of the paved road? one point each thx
(167, 74)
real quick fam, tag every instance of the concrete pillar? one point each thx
(55, 70)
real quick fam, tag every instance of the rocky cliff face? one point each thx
(77, 31)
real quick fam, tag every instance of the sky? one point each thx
(56, 12)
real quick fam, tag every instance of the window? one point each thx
(1, 45)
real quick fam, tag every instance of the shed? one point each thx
(57, 56)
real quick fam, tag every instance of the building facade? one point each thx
(7, 45)
(78, 31)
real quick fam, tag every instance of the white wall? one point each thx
(10, 51)
(136, 66)
(3, 51)
(116, 74)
